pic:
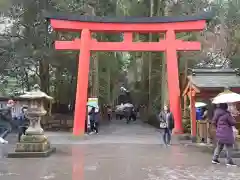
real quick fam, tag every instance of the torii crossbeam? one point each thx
(170, 45)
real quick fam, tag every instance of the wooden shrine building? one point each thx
(205, 84)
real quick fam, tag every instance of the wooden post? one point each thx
(50, 108)
(192, 95)
(185, 105)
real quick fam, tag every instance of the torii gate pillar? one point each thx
(82, 83)
(173, 82)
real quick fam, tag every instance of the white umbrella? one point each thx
(199, 104)
(226, 97)
(120, 107)
(127, 105)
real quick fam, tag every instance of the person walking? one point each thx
(224, 123)
(23, 123)
(94, 120)
(91, 118)
(134, 114)
(166, 124)
(6, 121)
(128, 114)
(109, 112)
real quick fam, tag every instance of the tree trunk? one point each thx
(109, 85)
(44, 79)
(71, 92)
(57, 86)
(95, 76)
(164, 84)
(44, 75)
(150, 62)
(184, 79)
(27, 81)
(43, 64)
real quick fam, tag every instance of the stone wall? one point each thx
(57, 122)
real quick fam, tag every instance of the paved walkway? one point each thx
(115, 132)
(119, 152)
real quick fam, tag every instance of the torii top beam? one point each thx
(74, 22)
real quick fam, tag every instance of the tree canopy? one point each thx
(28, 56)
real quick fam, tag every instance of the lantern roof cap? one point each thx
(36, 93)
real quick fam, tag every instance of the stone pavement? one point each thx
(119, 152)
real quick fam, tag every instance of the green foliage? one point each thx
(28, 55)
(187, 125)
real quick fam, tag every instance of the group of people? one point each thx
(8, 122)
(92, 125)
(224, 123)
(129, 113)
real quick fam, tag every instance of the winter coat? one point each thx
(22, 120)
(224, 122)
(169, 119)
(127, 111)
(94, 116)
(5, 117)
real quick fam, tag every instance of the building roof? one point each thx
(76, 17)
(214, 78)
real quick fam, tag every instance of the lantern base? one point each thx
(43, 154)
(32, 146)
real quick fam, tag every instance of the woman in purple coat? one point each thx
(224, 122)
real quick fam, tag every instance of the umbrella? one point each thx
(199, 104)
(119, 108)
(127, 105)
(92, 104)
(226, 97)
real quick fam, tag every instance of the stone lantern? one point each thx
(34, 143)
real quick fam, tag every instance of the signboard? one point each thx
(92, 102)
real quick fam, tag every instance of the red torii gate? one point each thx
(127, 25)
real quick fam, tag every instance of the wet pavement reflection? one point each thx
(109, 158)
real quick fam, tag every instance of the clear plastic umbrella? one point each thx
(226, 97)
